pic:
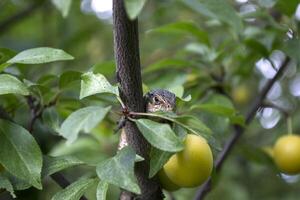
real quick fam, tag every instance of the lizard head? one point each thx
(160, 100)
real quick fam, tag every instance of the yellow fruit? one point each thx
(193, 165)
(166, 183)
(240, 94)
(287, 154)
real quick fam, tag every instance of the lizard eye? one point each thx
(156, 100)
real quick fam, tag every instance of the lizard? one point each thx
(155, 100)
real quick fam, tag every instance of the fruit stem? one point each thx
(289, 125)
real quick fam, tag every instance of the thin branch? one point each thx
(238, 130)
(272, 64)
(9, 22)
(284, 111)
(60, 180)
(37, 109)
(259, 100)
(34, 109)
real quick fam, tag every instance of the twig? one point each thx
(272, 64)
(9, 22)
(277, 107)
(37, 109)
(238, 130)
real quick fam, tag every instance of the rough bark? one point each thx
(128, 72)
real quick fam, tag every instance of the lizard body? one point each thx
(155, 100)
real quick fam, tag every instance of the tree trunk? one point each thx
(126, 45)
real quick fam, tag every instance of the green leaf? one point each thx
(5, 184)
(218, 99)
(102, 190)
(40, 55)
(51, 118)
(167, 63)
(195, 125)
(106, 68)
(231, 113)
(94, 84)
(87, 149)
(180, 131)
(157, 160)
(221, 106)
(11, 85)
(179, 91)
(287, 7)
(257, 47)
(47, 80)
(184, 27)
(217, 9)
(237, 119)
(292, 49)
(63, 6)
(214, 108)
(17, 183)
(134, 7)
(54, 164)
(207, 53)
(188, 122)
(20, 154)
(84, 119)
(159, 135)
(67, 79)
(5, 55)
(75, 190)
(119, 170)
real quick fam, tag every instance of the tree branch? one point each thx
(128, 72)
(9, 22)
(238, 130)
(283, 111)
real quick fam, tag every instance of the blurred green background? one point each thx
(225, 60)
